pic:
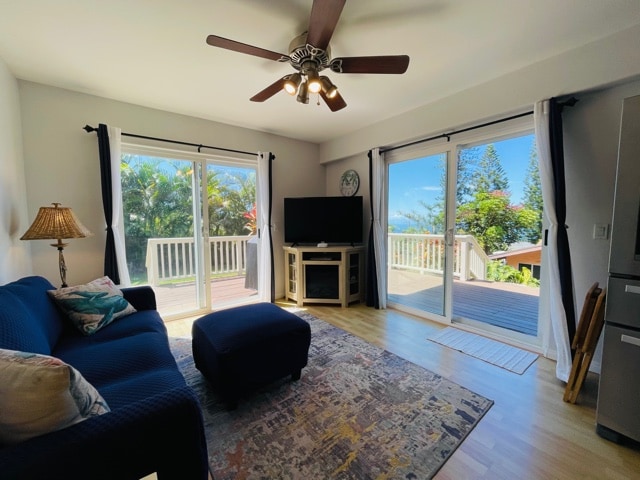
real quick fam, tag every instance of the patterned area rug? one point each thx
(491, 351)
(358, 412)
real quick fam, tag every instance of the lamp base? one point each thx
(61, 264)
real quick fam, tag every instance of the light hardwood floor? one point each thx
(529, 433)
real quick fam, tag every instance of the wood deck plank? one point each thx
(181, 298)
(510, 306)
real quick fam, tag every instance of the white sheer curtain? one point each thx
(264, 227)
(115, 146)
(557, 313)
(378, 184)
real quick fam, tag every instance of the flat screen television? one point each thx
(333, 220)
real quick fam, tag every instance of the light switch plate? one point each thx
(600, 231)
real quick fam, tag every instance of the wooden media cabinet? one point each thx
(324, 274)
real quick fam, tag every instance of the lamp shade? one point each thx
(54, 223)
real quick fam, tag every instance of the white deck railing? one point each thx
(171, 259)
(174, 258)
(425, 254)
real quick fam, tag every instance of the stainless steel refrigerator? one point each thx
(618, 414)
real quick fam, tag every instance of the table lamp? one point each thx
(56, 223)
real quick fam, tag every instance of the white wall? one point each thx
(62, 165)
(14, 257)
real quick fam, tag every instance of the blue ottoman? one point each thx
(242, 348)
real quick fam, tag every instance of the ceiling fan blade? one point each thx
(270, 91)
(334, 103)
(240, 47)
(323, 21)
(375, 64)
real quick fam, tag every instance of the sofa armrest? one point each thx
(142, 297)
(162, 434)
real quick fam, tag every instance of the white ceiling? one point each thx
(153, 52)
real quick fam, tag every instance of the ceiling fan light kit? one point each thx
(313, 81)
(303, 93)
(329, 89)
(292, 82)
(309, 54)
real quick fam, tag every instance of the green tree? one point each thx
(468, 162)
(491, 219)
(231, 194)
(533, 196)
(491, 176)
(430, 219)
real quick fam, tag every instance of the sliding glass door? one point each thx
(232, 241)
(419, 239)
(189, 223)
(499, 232)
(161, 228)
(464, 239)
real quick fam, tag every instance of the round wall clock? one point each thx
(349, 183)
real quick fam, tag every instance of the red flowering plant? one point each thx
(251, 224)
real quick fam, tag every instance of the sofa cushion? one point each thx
(29, 320)
(92, 306)
(41, 394)
(127, 368)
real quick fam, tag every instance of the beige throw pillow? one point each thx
(41, 394)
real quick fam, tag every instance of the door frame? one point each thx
(487, 134)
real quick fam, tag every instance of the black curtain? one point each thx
(272, 157)
(110, 259)
(564, 253)
(371, 293)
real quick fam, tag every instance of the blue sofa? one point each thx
(155, 423)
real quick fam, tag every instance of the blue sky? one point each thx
(419, 179)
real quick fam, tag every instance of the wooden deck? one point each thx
(504, 305)
(180, 298)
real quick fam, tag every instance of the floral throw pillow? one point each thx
(41, 394)
(92, 306)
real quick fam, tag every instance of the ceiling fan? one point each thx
(309, 54)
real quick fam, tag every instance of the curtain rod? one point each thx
(570, 102)
(89, 129)
(455, 132)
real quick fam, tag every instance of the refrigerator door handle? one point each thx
(629, 339)
(632, 289)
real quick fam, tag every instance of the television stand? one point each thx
(323, 274)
